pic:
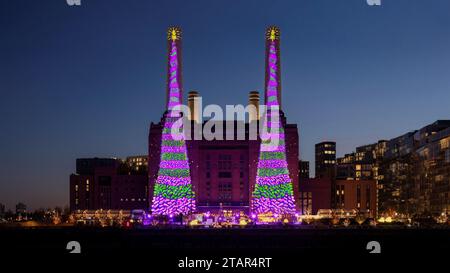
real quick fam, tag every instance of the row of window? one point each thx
(121, 200)
(87, 187)
(225, 174)
(132, 199)
(329, 161)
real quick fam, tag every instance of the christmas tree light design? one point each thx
(273, 192)
(173, 193)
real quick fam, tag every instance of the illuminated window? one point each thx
(358, 196)
(444, 143)
(306, 202)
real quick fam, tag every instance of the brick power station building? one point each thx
(223, 172)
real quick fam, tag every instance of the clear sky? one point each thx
(87, 81)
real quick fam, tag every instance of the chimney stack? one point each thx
(193, 104)
(253, 99)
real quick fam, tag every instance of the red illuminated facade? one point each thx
(223, 172)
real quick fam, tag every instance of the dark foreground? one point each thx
(173, 245)
(105, 240)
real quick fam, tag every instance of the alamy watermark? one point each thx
(373, 2)
(239, 123)
(73, 2)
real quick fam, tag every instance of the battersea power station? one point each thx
(199, 174)
(184, 175)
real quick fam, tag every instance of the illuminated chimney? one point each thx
(253, 99)
(193, 104)
(272, 92)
